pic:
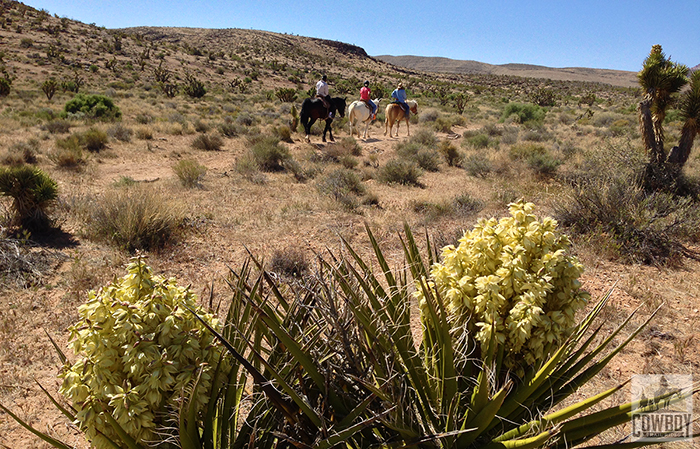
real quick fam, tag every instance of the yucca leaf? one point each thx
(343, 435)
(484, 417)
(123, 436)
(70, 415)
(526, 443)
(61, 355)
(52, 441)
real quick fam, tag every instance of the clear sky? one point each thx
(607, 34)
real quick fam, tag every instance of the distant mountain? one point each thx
(446, 65)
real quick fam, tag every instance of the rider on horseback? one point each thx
(322, 93)
(399, 96)
(364, 96)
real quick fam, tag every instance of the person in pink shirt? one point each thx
(364, 96)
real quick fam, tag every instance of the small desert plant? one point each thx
(340, 183)
(133, 218)
(208, 142)
(286, 94)
(33, 192)
(94, 139)
(49, 87)
(144, 133)
(193, 87)
(269, 155)
(120, 132)
(289, 262)
(477, 165)
(57, 126)
(400, 171)
(93, 106)
(453, 157)
(190, 172)
(22, 153)
(5, 86)
(544, 165)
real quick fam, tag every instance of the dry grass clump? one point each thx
(290, 262)
(57, 126)
(400, 171)
(208, 142)
(268, 154)
(23, 152)
(344, 186)
(133, 218)
(189, 172)
(120, 132)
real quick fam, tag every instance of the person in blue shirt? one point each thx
(399, 95)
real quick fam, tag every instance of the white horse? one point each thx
(359, 112)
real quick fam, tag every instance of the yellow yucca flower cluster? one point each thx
(139, 349)
(514, 277)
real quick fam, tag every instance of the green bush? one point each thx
(93, 106)
(33, 192)
(192, 87)
(190, 172)
(544, 165)
(340, 183)
(453, 157)
(524, 113)
(269, 155)
(400, 171)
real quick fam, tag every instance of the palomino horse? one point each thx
(359, 112)
(312, 109)
(394, 113)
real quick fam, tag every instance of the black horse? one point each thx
(312, 109)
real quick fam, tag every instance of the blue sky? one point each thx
(610, 34)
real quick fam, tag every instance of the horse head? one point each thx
(339, 104)
(413, 106)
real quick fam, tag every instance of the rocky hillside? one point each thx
(445, 65)
(36, 46)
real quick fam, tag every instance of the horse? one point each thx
(394, 113)
(358, 111)
(312, 109)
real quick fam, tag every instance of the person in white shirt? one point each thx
(322, 93)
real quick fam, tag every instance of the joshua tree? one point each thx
(661, 80)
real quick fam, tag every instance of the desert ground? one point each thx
(301, 210)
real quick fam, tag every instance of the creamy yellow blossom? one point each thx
(138, 349)
(512, 278)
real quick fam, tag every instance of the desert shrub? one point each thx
(5, 86)
(57, 126)
(429, 116)
(139, 341)
(428, 160)
(543, 97)
(544, 165)
(283, 133)
(68, 156)
(120, 132)
(22, 153)
(201, 126)
(453, 157)
(248, 168)
(228, 129)
(478, 141)
(290, 262)
(466, 204)
(207, 142)
(269, 155)
(286, 94)
(33, 192)
(537, 134)
(93, 106)
(245, 119)
(400, 171)
(644, 228)
(93, 139)
(193, 87)
(350, 146)
(49, 87)
(424, 138)
(144, 133)
(133, 218)
(524, 151)
(189, 172)
(477, 165)
(431, 210)
(340, 184)
(524, 113)
(144, 118)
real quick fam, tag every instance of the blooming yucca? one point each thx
(139, 349)
(514, 277)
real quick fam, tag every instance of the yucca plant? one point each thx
(333, 362)
(32, 192)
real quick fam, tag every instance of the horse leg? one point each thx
(330, 130)
(408, 130)
(307, 128)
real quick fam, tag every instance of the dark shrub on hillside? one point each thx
(208, 142)
(400, 171)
